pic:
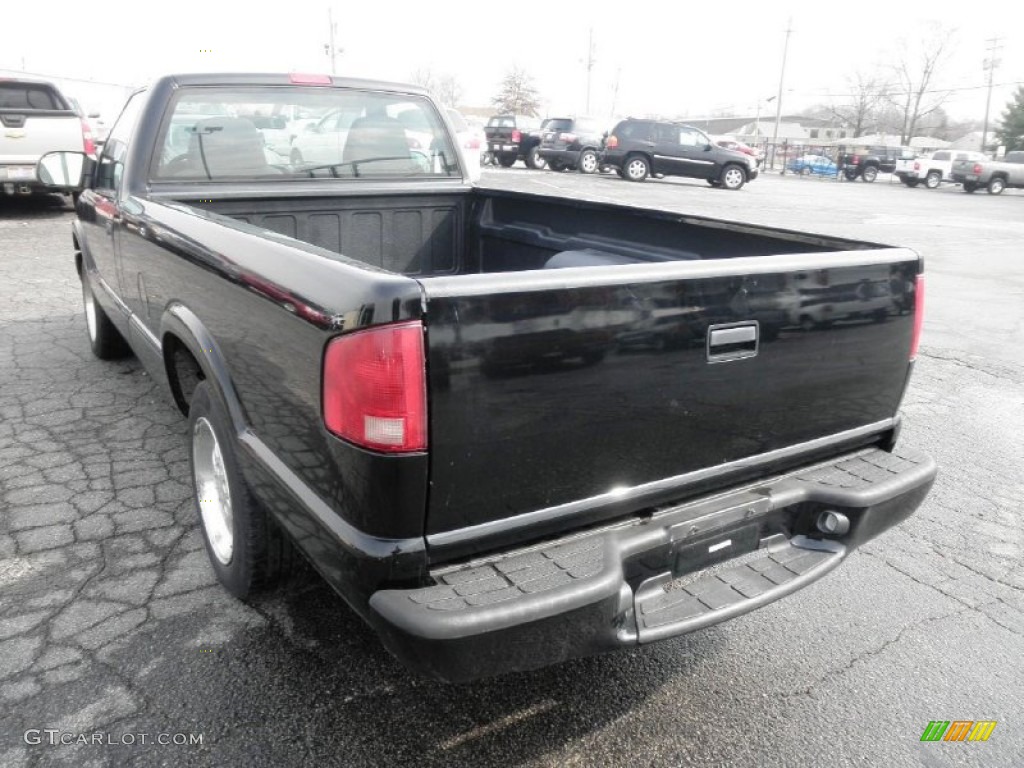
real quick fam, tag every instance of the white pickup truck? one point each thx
(933, 169)
(35, 118)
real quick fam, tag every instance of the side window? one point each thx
(940, 156)
(689, 138)
(666, 134)
(110, 168)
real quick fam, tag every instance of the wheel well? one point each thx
(743, 170)
(998, 175)
(183, 371)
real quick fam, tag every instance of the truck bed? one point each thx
(604, 334)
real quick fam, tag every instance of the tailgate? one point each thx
(566, 396)
(24, 136)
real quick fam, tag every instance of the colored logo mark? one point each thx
(958, 730)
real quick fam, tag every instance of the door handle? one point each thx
(732, 341)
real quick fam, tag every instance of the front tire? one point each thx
(733, 177)
(246, 550)
(588, 162)
(636, 168)
(996, 186)
(106, 341)
(534, 160)
(506, 161)
(910, 182)
(933, 179)
(869, 174)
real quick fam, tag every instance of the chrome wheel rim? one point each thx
(733, 178)
(636, 169)
(90, 310)
(212, 490)
(589, 162)
(996, 186)
(932, 181)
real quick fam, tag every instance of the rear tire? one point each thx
(805, 171)
(851, 175)
(996, 185)
(106, 341)
(970, 187)
(588, 162)
(534, 160)
(506, 161)
(247, 551)
(910, 182)
(933, 179)
(636, 168)
(554, 165)
(869, 174)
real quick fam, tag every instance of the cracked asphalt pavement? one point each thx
(111, 622)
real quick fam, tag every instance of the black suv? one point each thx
(572, 143)
(868, 162)
(639, 148)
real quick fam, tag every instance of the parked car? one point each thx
(36, 118)
(515, 137)
(935, 168)
(866, 163)
(364, 351)
(569, 143)
(640, 148)
(993, 175)
(729, 142)
(819, 165)
(471, 140)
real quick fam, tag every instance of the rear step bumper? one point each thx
(675, 571)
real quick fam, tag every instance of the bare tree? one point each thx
(518, 94)
(916, 74)
(868, 93)
(449, 90)
(444, 86)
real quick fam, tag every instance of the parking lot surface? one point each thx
(111, 623)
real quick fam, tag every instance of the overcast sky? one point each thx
(672, 58)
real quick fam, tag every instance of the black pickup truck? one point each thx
(515, 137)
(508, 429)
(867, 162)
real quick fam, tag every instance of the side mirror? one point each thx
(708, 148)
(61, 170)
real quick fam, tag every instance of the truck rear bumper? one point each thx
(675, 571)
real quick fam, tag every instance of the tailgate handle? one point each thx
(732, 341)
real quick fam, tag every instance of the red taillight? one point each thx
(375, 391)
(917, 166)
(473, 143)
(300, 78)
(612, 142)
(88, 145)
(517, 136)
(856, 160)
(915, 340)
(976, 169)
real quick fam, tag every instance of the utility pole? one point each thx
(778, 98)
(330, 49)
(615, 92)
(990, 64)
(590, 64)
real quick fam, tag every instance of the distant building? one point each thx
(792, 128)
